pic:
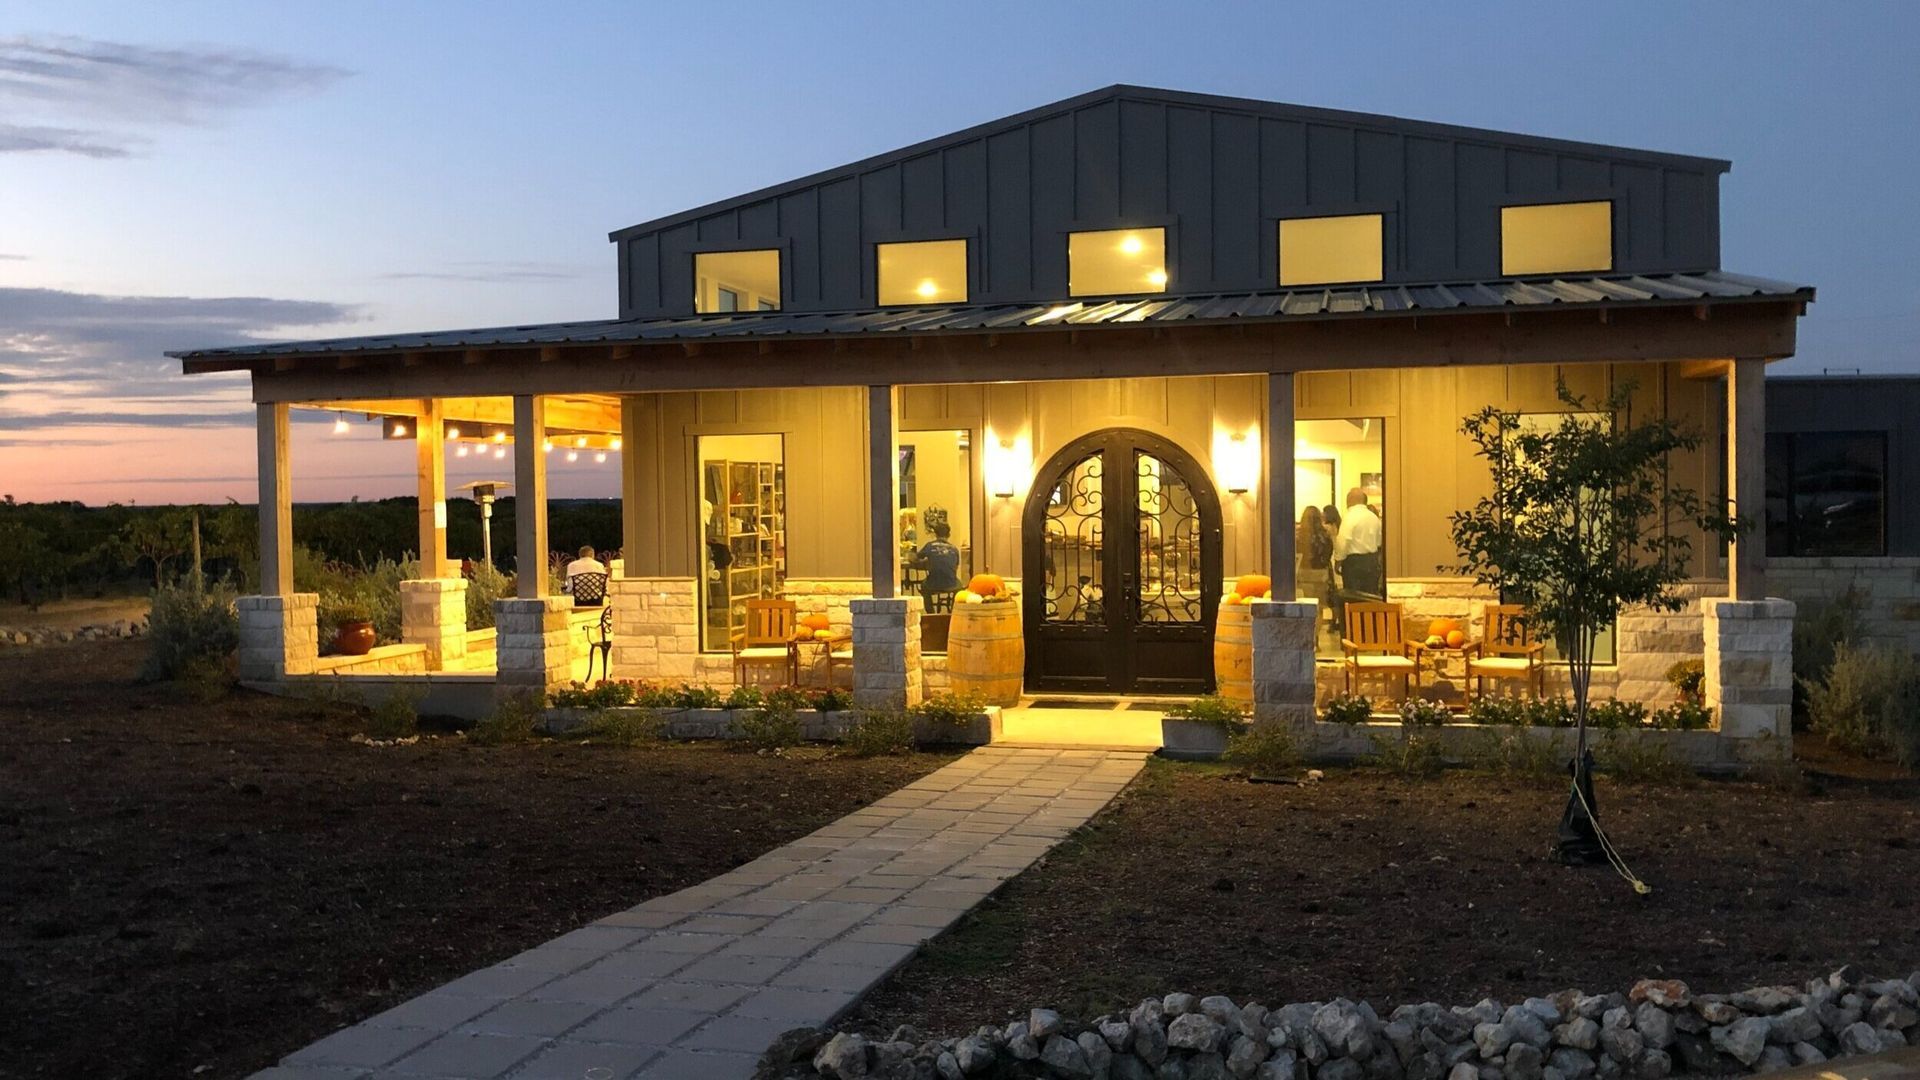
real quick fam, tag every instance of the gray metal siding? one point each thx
(1216, 175)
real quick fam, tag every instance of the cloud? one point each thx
(78, 96)
(5, 257)
(63, 354)
(492, 273)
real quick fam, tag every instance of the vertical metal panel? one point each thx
(966, 189)
(1427, 225)
(1531, 174)
(840, 246)
(1143, 159)
(1479, 184)
(1050, 188)
(719, 228)
(1329, 164)
(676, 267)
(1582, 174)
(1283, 166)
(800, 222)
(923, 197)
(1641, 240)
(1096, 162)
(1190, 198)
(760, 221)
(1235, 223)
(1690, 242)
(1008, 245)
(880, 202)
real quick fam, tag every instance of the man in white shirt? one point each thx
(585, 564)
(1357, 550)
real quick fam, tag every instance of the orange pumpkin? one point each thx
(815, 622)
(986, 584)
(1251, 585)
(1440, 628)
(1456, 638)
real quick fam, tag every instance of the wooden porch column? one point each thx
(430, 456)
(883, 489)
(276, 501)
(1280, 496)
(529, 496)
(1747, 476)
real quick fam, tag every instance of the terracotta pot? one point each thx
(353, 638)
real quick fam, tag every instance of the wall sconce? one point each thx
(1236, 459)
(1009, 462)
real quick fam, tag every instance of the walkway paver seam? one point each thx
(793, 938)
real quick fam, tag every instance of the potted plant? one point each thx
(1199, 729)
(353, 632)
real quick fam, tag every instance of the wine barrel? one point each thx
(986, 654)
(1233, 652)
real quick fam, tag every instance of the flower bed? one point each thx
(1655, 1029)
(697, 712)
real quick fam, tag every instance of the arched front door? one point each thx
(1121, 568)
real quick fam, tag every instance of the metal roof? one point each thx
(1630, 290)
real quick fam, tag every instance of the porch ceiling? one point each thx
(1700, 291)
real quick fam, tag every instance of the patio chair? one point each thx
(1375, 645)
(589, 589)
(601, 645)
(1508, 651)
(838, 657)
(766, 641)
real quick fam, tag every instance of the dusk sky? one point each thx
(192, 174)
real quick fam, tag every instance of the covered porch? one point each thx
(849, 412)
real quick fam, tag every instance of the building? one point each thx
(1212, 312)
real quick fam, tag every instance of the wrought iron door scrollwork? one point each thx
(1073, 591)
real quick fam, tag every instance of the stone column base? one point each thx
(1749, 685)
(433, 612)
(656, 628)
(1283, 643)
(533, 650)
(279, 635)
(886, 653)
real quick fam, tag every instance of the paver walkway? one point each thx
(697, 983)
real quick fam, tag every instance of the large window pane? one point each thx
(743, 529)
(1556, 238)
(936, 525)
(1117, 262)
(923, 272)
(1826, 493)
(1339, 514)
(736, 281)
(1330, 250)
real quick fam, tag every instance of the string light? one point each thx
(573, 455)
(580, 442)
(499, 451)
(340, 425)
(546, 445)
(452, 432)
(615, 444)
(460, 451)
(499, 436)
(601, 457)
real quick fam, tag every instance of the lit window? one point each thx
(1117, 261)
(1556, 237)
(924, 272)
(1325, 250)
(736, 281)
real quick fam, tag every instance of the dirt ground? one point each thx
(196, 889)
(73, 614)
(1371, 887)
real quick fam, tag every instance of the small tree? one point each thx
(1582, 524)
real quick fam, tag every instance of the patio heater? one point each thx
(483, 493)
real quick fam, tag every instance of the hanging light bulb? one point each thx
(573, 455)
(615, 444)
(452, 432)
(499, 436)
(546, 445)
(460, 451)
(499, 451)
(340, 425)
(580, 442)
(601, 457)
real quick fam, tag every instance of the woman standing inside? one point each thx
(1313, 556)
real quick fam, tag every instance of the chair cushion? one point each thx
(762, 652)
(1498, 665)
(1390, 663)
(842, 654)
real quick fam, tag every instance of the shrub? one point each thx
(190, 629)
(1415, 755)
(1636, 760)
(1617, 715)
(790, 697)
(832, 699)
(770, 727)
(347, 593)
(1549, 712)
(1420, 712)
(948, 712)
(606, 695)
(1346, 709)
(745, 697)
(510, 722)
(875, 734)
(1225, 714)
(1869, 703)
(689, 696)
(1689, 677)
(1682, 716)
(626, 727)
(1820, 627)
(1265, 749)
(395, 717)
(1497, 712)
(1518, 755)
(485, 586)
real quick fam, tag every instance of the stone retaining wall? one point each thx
(815, 725)
(1655, 1029)
(47, 635)
(1887, 590)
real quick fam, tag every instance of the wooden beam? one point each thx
(1704, 369)
(599, 417)
(276, 501)
(549, 353)
(883, 521)
(430, 462)
(1279, 494)
(474, 356)
(1566, 336)
(1747, 476)
(529, 496)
